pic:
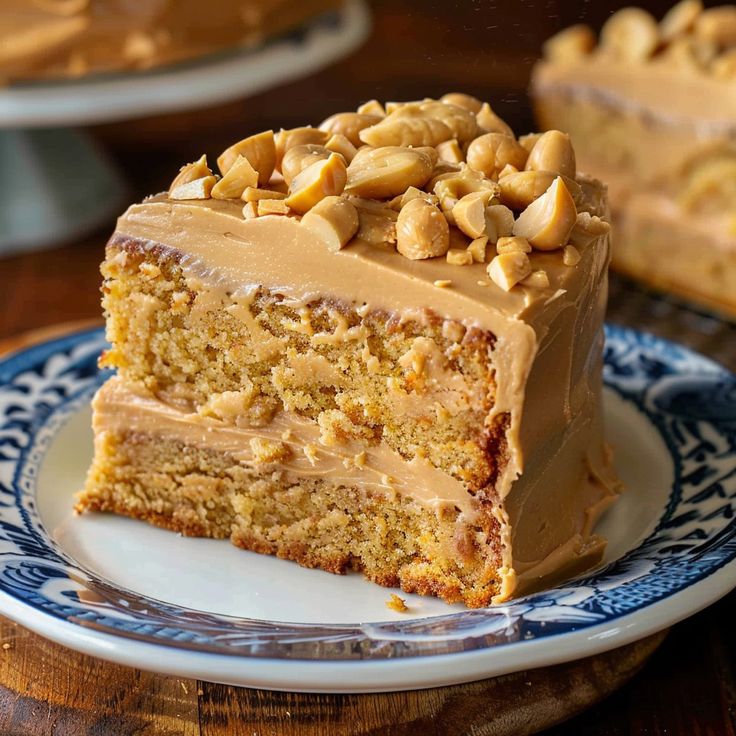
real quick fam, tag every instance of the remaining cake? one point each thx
(70, 38)
(651, 110)
(371, 345)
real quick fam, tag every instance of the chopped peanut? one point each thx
(259, 149)
(507, 269)
(470, 213)
(334, 220)
(239, 176)
(319, 180)
(477, 249)
(459, 257)
(548, 221)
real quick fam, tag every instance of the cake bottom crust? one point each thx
(393, 541)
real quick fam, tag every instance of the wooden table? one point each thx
(418, 48)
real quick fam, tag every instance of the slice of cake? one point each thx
(41, 39)
(372, 345)
(651, 109)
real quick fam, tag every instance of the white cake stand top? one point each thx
(210, 81)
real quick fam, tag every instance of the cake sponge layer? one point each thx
(394, 541)
(424, 385)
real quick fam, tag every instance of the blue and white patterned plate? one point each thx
(127, 592)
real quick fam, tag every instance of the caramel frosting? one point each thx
(546, 337)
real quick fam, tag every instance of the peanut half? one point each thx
(460, 99)
(507, 269)
(553, 152)
(286, 139)
(259, 149)
(422, 231)
(389, 171)
(548, 221)
(469, 213)
(322, 179)
(297, 159)
(350, 124)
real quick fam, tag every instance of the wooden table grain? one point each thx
(417, 48)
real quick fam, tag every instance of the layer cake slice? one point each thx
(372, 345)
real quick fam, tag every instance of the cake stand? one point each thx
(56, 182)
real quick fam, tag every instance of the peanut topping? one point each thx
(272, 207)
(453, 186)
(513, 244)
(553, 152)
(630, 35)
(259, 149)
(570, 45)
(491, 152)
(489, 122)
(571, 255)
(340, 144)
(717, 25)
(470, 213)
(372, 107)
(286, 139)
(406, 128)
(587, 229)
(422, 231)
(389, 171)
(520, 189)
(198, 189)
(537, 280)
(548, 221)
(239, 176)
(507, 269)
(189, 173)
(450, 151)
(411, 193)
(252, 194)
(322, 179)
(680, 19)
(297, 159)
(499, 222)
(334, 220)
(459, 257)
(421, 175)
(477, 249)
(250, 210)
(350, 124)
(459, 99)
